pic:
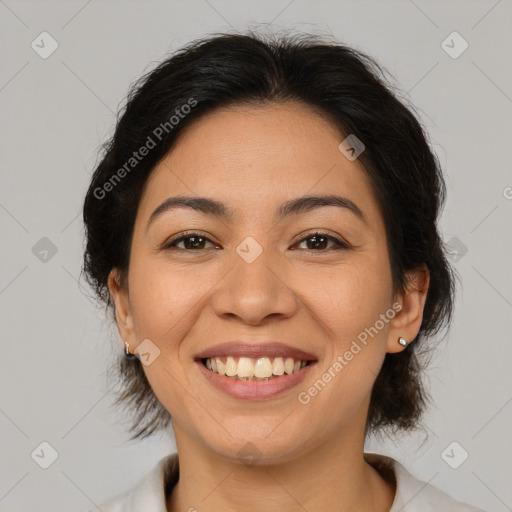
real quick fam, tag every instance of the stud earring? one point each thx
(402, 341)
(127, 350)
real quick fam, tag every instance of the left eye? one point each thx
(319, 241)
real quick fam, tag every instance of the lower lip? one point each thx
(256, 389)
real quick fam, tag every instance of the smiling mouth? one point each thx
(254, 369)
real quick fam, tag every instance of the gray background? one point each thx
(55, 342)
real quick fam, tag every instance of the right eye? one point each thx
(192, 241)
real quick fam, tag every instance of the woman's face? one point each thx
(258, 276)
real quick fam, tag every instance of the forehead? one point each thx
(253, 158)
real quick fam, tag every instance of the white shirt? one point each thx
(412, 495)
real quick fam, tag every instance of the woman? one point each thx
(262, 225)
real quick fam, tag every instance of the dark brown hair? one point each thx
(350, 88)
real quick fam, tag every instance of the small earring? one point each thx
(402, 341)
(127, 350)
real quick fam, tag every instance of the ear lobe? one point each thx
(407, 321)
(121, 300)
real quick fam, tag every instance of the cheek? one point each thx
(164, 301)
(348, 307)
(347, 299)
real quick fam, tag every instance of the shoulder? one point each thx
(117, 504)
(150, 492)
(414, 495)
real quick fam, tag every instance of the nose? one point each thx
(255, 292)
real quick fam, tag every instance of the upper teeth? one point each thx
(262, 367)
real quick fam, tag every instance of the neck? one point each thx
(331, 476)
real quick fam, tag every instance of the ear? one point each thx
(407, 321)
(119, 294)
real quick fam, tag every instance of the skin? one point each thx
(253, 159)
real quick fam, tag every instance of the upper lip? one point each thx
(251, 349)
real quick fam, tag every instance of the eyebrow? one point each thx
(217, 209)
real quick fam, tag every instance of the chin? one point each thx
(260, 451)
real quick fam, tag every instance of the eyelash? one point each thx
(171, 244)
